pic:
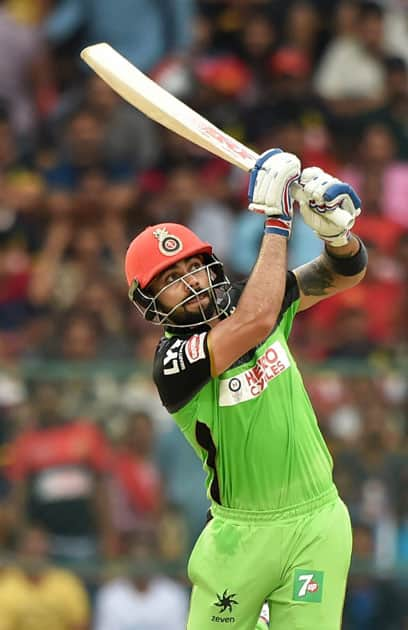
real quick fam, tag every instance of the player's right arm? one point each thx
(257, 310)
(259, 306)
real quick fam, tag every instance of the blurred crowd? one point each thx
(100, 498)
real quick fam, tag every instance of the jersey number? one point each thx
(172, 357)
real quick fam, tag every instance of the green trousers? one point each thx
(297, 560)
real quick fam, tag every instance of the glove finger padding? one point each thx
(343, 191)
(310, 173)
(270, 181)
(327, 192)
(329, 224)
(329, 206)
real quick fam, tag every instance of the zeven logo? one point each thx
(173, 361)
(225, 603)
(308, 586)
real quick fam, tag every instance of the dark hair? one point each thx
(79, 113)
(368, 8)
(395, 64)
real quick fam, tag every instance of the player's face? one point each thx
(182, 281)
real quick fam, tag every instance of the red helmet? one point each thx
(158, 247)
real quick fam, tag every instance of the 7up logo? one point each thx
(308, 586)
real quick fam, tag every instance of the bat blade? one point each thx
(159, 105)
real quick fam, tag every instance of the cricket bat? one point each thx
(159, 105)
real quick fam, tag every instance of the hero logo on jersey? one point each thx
(252, 382)
(195, 348)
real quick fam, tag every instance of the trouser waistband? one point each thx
(284, 513)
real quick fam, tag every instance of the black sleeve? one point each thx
(291, 292)
(181, 368)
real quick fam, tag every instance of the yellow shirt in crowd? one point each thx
(57, 601)
(26, 11)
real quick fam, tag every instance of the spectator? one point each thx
(138, 392)
(143, 31)
(59, 473)
(382, 323)
(24, 11)
(23, 199)
(393, 115)
(258, 40)
(371, 603)
(303, 29)
(14, 276)
(374, 462)
(402, 260)
(72, 260)
(396, 29)
(377, 162)
(82, 339)
(211, 220)
(101, 298)
(401, 499)
(130, 137)
(81, 150)
(37, 595)
(359, 45)
(10, 152)
(228, 21)
(136, 486)
(141, 597)
(25, 74)
(384, 234)
(351, 335)
(21, 235)
(183, 480)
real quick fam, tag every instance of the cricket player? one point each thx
(279, 532)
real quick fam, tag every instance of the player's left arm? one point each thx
(330, 207)
(336, 269)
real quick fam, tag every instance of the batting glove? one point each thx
(269, 187)
(328, 205)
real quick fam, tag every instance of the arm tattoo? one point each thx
(316, 277)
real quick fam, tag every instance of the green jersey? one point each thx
(253, 426)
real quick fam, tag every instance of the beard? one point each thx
(184, 317)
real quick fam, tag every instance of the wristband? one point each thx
(349, 265)
(278, 225)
